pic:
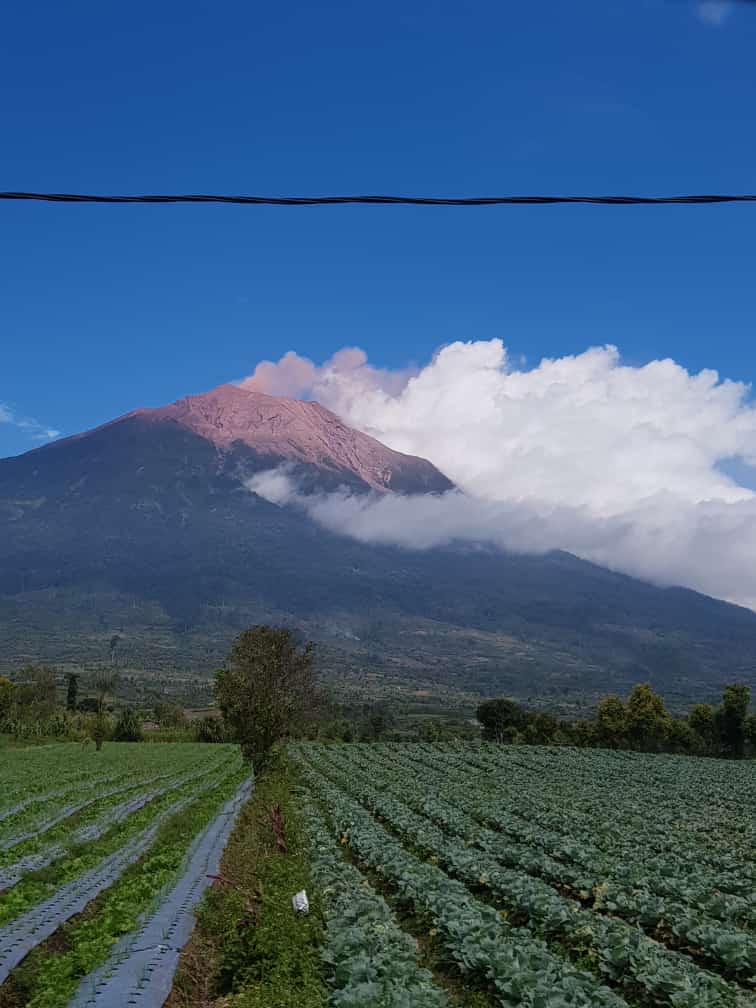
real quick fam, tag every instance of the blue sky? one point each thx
(103, 309)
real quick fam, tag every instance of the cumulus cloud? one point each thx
(299, 377)
(625, 466)
(711, 547)
(35, 430)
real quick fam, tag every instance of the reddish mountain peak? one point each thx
(229, 413)
(298, 431)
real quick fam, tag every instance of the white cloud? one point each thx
(713, 12)
(618, 464)
(297, 376)
(35, 430)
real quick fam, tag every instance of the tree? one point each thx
(648, 721)
(6, 697)
(72, 690)
(731, 719)
(128, 727)
(501, 719)
(375, 721)
(209, 729)
(585, 733)
(104, 685)
(682, 738)
(611, 723)
(702, 722)
(541, 729)
(267, 688)
(35, 696)
(750, 731)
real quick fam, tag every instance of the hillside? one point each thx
(143, 528)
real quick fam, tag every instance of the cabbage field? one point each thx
(541, 877)
(439, 875)
(103, 857)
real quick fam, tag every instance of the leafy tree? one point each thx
(6, 697)
(128, 727)
(35, 696)
(611, 723)
(540, 729)
(375, 720)
(267, 688)
(209, 729)
(682, 738)
(750, 731)
(648, 721)
(501, 719)
(702, 722)
(585, 733)
(72, 690)
(731, 719)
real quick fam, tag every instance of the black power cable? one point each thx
(382, 200)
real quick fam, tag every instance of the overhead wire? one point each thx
(464, 201)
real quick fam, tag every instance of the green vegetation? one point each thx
(128, 728)
(439, 874)
(248, 943)
(51, 974)
(266, 689)
(76, 858)
(547, 875)
(642, 724)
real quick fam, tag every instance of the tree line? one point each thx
(31, 710)
(641, 722)
(268, 691)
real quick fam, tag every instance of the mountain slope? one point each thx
(143, 528)
(242, 430)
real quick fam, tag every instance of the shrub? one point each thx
(128, 728)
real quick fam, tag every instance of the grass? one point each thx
(249, 947)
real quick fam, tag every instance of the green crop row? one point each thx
(623, 954)
(371, 962)
(95, 811)
(614, 886)
(38, 886)
(700, 887)
(49, 978)
(520, 969)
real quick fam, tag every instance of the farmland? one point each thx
(533, 876)
(439, 875)
(102, 858)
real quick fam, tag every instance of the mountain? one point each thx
(248, 431)
(143, 529)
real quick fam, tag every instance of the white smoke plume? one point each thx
(625, 466)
